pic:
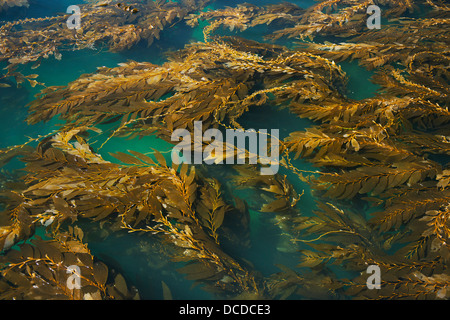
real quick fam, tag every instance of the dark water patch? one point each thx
(359, 85)
(37, 9)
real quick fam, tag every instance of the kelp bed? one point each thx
(382, 177)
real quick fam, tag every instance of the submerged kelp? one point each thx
(105, 24)
(42, 270)
(381, 180)
(214, 83)
(67, 182)
(342, 18)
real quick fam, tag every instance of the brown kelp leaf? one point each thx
(18, 279)
(183, 170)
(44, 271)
(100, 272)
(276, 205)
(126, 158)
(27, 251)
(86, 259)
(121, 285)
(160, 158)
(167, 294)
(142, 157)
(218, 217)
(415, 177)
(104, 213)
(197, 271)
(381, 186)
(50, 251)
(91, 292)
(368, 185)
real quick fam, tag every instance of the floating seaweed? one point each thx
(41, 270)
(210, 82)
(111, 26)
(146, 197)
(387, 154)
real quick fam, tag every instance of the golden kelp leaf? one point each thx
(27, 251)
(197, 271)
(274, 188)
(167, 294)
(143, 214)
(120, 284)
(36, 64)
(106, 211)
(275, 206)
(91, 293)
(368, 185)
(218, 217)
(18, 279)
(355, 144)
(415, 177)
(78, 232)
(75, 247)
(184, 169)
(50, 251)
(142, 157)
(44, 271)
(335, 190)
(160, 158)
(126, 158)
(203, 211)
(443, 178)
(350, 191)
(33, 83)
(55, 155)
(100, 272)
(381, 185)
(86, 259)
(103, 212)
(38, 202)
(310, 259)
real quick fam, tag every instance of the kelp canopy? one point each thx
(381, 180)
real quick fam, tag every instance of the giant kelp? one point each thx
(408, 191)
(340, 18)
(212, 82)
(107, 24)
(211, 78)
(147, 197)
(385, 154)
(368, 146)
(41, 270)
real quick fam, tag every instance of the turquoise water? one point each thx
(124, 251)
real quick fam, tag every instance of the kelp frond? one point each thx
(388, 151)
